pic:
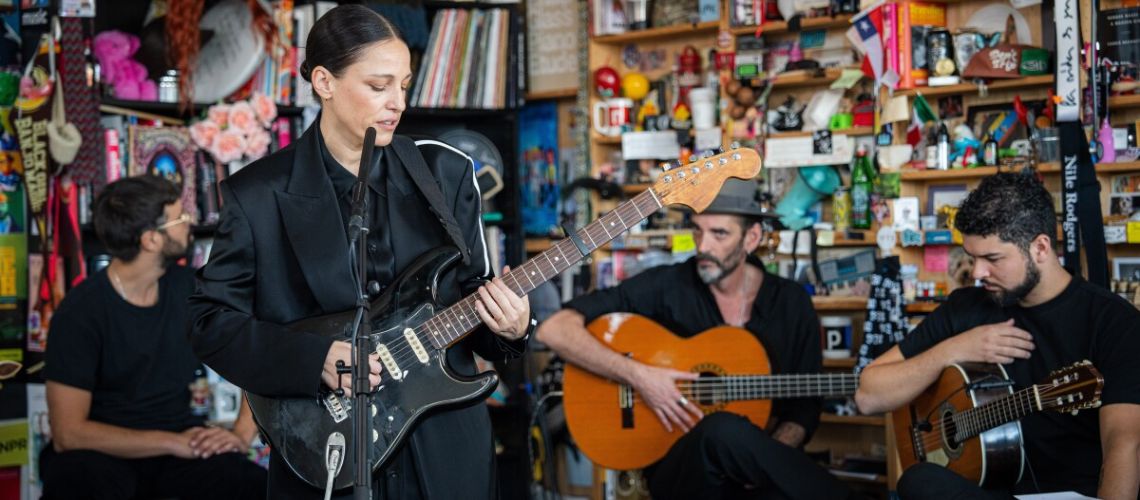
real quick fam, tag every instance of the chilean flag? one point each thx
(866, 35)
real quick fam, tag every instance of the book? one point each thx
(167, 152)
(914, 21)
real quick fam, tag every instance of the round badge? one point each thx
(944, 67)
(724, 39)
(886, 238)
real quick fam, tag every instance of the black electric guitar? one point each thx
(967, 420)
(411, 332)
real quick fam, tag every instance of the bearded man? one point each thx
(1031, 316)
(721, 455)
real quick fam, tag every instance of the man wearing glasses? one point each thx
(119, 368)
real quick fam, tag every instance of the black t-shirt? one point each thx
(136, 361)
(1083, 322)
(783, 319)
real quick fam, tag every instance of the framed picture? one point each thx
(1126, 268)
(939, 195)
(1000, 121)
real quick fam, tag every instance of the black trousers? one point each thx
(930, 481)
(94, 475)
(726, 456)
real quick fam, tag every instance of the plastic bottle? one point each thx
(943, 148)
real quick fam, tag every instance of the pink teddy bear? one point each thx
(128, 77)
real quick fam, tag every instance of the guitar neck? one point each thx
(455, 322)
(972, 422)
(746, 387)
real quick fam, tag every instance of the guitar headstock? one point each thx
(1072, 388)
(697, 183)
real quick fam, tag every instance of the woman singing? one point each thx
(281, 254)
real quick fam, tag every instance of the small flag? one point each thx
(920, 114)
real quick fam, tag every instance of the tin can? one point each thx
(939, 48)
(841, 209)
(990, 155)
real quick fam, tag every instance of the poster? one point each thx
(538, 171)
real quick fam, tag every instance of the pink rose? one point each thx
(243, 118)
(228, 146)
(204, 132)
(257, 144)
(265, 108)
(219, 114)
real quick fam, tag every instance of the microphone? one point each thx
(360, 190)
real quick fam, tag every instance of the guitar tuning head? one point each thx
(718, 151)
(735, 145)
(692, 158)
(666, 165)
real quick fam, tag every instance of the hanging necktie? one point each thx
(82, 104)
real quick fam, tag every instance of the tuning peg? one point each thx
(735, 145)
(666, 165)
(692, 158)
(719, 150)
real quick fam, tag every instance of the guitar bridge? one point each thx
(337, 406)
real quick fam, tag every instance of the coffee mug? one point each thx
(613, 116)
(840, 121)
(702, 103)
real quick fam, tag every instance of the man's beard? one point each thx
(1009, 297)
(172, 251)
(722, 269)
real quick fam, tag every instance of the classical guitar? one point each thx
(411, 331)
(613, 427)
(967, 420)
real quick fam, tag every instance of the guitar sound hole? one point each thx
(709, 391)
(948, 430)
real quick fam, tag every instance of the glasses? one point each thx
(182, 218)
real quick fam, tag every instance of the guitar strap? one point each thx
(417, 168)
(1081, 214)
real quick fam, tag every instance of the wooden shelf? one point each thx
(634, 189)
(829, 418)
(805, 79)
(839, 303)
(605, 139)
(1124, 101)
(923, 307)
(978, 172)
(653, 34)
(839, 362)
(808, 133)
(779, 27)
(962, 88)
(552, 94)
(536, 245)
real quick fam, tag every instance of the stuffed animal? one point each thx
(128, 77)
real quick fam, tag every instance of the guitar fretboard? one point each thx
(455, 322)
(970, 423)
(746, 387)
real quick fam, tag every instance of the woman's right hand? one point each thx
(342, 351)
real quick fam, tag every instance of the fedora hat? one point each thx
(737, 197)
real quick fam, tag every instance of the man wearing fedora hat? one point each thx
(721, 455)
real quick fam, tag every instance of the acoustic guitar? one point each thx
(411, 331)
(615, 428)
(967, 421)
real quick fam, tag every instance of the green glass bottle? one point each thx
(862, 180)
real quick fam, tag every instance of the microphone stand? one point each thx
(361, 388)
